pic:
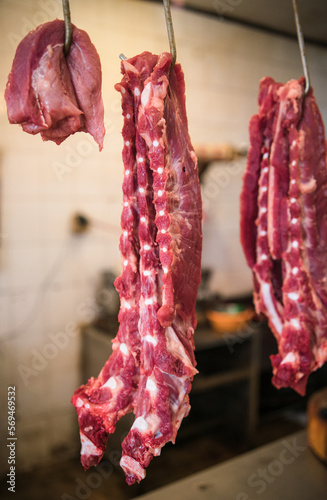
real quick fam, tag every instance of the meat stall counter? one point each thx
(283, 470)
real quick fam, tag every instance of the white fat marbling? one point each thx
(140, 424)
(266, 295)
(151, 386)
(176, 348)
(89, 448)
(289, 358)
(111, 383)
(295, 322)
(151, 339)
(146, 93)
(131, 466)
(123, 348)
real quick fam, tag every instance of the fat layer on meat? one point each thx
(153, 364)
(283, 227)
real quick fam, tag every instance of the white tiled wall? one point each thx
(48, 276)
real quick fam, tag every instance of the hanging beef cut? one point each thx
(284, 227)
(152, 365)
(54, 95)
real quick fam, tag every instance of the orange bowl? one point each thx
(224, 322)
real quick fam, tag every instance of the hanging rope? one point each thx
(68, 26)
(302, 48)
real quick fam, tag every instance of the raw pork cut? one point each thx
(152, 365)
(284, 227)
(54, 95)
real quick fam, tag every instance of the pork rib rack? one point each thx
(152, 365)
(284, 227)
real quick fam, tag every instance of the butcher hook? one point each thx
(68, 26)
(301, 45)
(170, 29)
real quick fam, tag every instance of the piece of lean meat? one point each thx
(164, 204)
(283, 227)
(54, 95)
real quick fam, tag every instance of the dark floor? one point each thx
(68, 481)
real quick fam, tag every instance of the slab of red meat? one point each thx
(283, 227)
(152, 365)
(54, 95)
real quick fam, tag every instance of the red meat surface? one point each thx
(54, 95)
(152, 365)
(283, 227)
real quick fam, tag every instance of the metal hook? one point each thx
(170, 29)
(68, 26)
(302, 49)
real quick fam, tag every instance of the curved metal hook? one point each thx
(170, 29)
(68, 26)
(302, 49)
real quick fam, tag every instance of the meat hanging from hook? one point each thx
(170, 30)
(68, 26)
(302, 48)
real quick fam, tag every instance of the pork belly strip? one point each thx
(167, 359)
(54, 95)
(289, 232)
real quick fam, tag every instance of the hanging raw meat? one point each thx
(54, 95)
(152, 365)
(284, 227)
